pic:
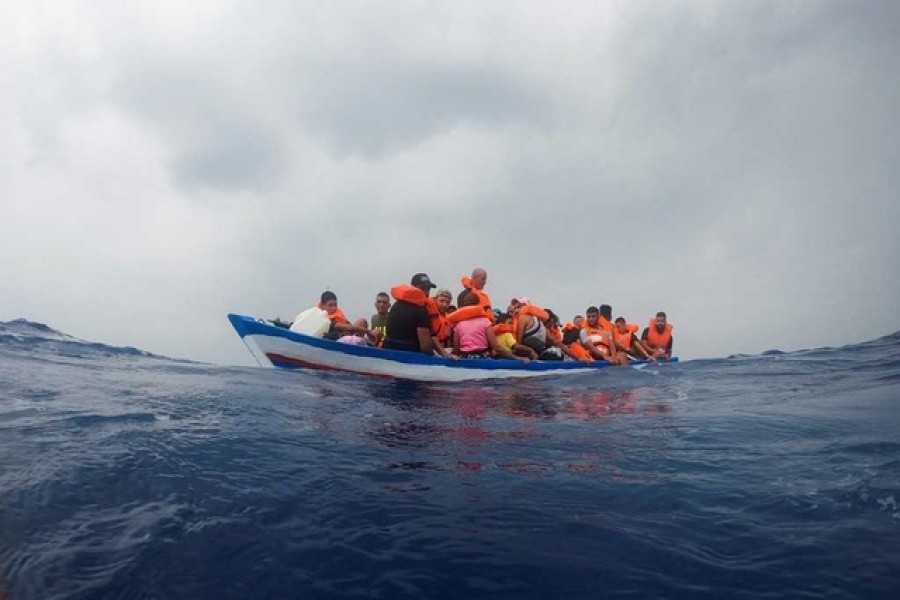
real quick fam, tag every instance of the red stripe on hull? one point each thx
(297, 362)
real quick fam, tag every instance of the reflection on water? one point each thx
(513, 427)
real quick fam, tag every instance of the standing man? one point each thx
(475, 284)
(409, 323)
(658, 337)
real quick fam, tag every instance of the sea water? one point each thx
(129, 475)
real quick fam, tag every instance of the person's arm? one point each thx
(595, 351)
(520, 328)
(424, 335)
(588, 345)
(498, 348)
(519, 349)
(616, 356)
(639, 346)
(668, 353)
(439, 348)
(566, 351)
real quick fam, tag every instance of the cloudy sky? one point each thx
(737, 164)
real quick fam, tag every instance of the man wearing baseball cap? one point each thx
(408, 322)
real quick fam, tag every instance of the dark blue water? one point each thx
(128, 475)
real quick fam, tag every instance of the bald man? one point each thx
(475, 284)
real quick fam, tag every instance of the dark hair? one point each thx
(503, 317)
(661, 314)
(606, 311)
(620, 319)
(382, 295)
(328, 296)
(591, 310)
(552, 317)
(469, 299)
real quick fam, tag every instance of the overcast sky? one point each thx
(736, 164)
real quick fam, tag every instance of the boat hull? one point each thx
(281, 348)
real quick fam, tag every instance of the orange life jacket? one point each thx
(337, 316)
(530, 309)
(465, 313)
(445, 331)
(623, 340)
(483, 300)
(535, 311)
(504, 328)
(578, 350)
(657, 339)
(596, 336)
(605, 324)
(414, 295)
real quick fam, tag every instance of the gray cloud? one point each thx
(371, 109)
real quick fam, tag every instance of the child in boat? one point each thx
(506, 337)
(473, 336)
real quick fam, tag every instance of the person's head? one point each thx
(382, 303)
(552, 319)
(504, 319)
(470, 299)
(592, 315)
(361, 322)
(479, 278)
(443, 298)
(423, 282)
(578, 321)
(620, 324)
(328, 302)
(660, 321)
(606, 311)
(516, 304)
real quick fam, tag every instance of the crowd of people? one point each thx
(416, 321)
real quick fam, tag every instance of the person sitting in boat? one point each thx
(475, 285)
(626, 341)
(572, 330)
(598, 341)
(443, 338)
(340, 325)
(506, 337)
(357, 339)
(379, 319)
(657, 337)
(606, 320)
(409, 324)
(531, 323)
(473, 334)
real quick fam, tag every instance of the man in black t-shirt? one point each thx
(408, 324)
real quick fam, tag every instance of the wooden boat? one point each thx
(279, 347)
